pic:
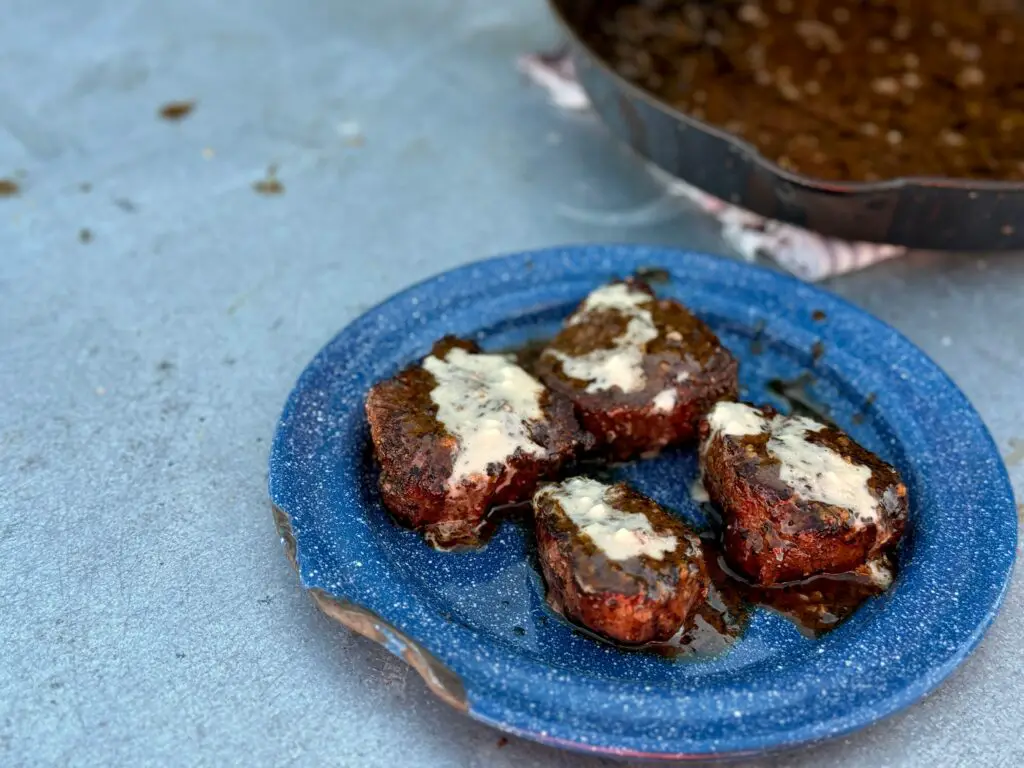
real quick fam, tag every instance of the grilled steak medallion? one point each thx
(464, 431)
(641, 371)
(797, 497)
(615, 562)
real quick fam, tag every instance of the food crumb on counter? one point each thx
(177, 110)
(269, 185)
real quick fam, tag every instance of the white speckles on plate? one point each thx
(482, 615)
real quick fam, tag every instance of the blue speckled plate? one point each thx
(476, 626)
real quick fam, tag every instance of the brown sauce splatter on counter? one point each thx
(819, 316)
(177, 110)
(9, 188)
(270, 185)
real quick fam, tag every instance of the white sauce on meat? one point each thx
(698, 492)
(665, 400)
(485, 402)
(622, 365)
(735, 420)
(880, 573)
(815, 472)
(621, 535)
(818, 473)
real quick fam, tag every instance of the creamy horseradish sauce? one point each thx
(621, 535)
(815, 472)
(484, 402)
(622, 365)
(665, 400)
(880, 573)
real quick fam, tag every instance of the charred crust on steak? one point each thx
(782, 521)
(636, 593)
(640, 370)
(418, 454)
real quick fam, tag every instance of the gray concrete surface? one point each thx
(147, 615)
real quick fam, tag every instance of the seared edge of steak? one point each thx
(640, 371)
(798, 498)
(615, 562)
(427, 480)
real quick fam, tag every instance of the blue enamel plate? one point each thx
(476, 625)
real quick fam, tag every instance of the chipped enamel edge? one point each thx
(440, 680)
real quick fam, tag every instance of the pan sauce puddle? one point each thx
(815, 606)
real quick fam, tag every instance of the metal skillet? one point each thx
(933, 213)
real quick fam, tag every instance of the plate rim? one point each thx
(406, 647)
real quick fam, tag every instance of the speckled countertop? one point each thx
(155, 309)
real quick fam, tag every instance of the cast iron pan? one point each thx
(930, 213)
